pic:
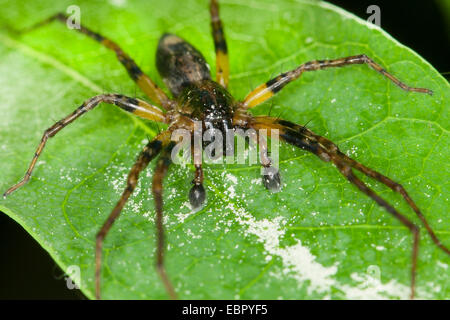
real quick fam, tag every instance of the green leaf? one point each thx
(318, 238)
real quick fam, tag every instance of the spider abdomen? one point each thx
(180, 64)
(186, 73)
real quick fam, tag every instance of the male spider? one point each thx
(198, 98)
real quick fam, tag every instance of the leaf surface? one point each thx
(318, 238)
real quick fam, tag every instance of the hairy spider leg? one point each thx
(162, 166)
(271, 87)
(348, 173)
(150, 88)
(136, 106)
(150, 151)
(326, 150)
(220, 44)
(396, 187)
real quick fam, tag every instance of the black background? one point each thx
(28, 272)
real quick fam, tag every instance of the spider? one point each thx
(196, 97)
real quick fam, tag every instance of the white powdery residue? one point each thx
(300, 264)
(63, 176)
(231, 178)
(246, 153)
(256, 181)
(231, 192)
(333, 100)
(297, 259)
(118, 184)
(305, 267)
(134, 205)
(147, 214)
(369, 287)
(442, 265)
(433, 287)
(352, 152)
(118, 3)
(172, 194)
(182, 216)
(192, 235)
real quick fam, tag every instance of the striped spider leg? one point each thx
(327, 151)
(160, 144)
(136, 74)
(268, 89)
(198, 97)
(220, 44)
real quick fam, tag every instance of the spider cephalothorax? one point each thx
(197, 98)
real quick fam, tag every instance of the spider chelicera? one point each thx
(196, 97)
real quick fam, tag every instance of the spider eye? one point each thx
(272, 180)
(197, 196)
